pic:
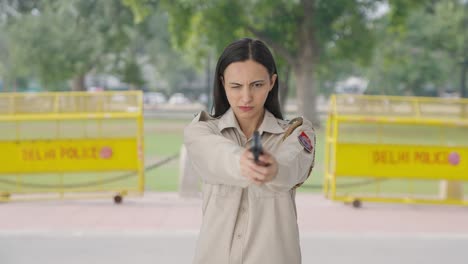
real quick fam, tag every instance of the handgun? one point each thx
(256, 146)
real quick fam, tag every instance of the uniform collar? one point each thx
(269, 123)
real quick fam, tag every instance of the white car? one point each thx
(154, 98)
(178, 98)
(203, 98)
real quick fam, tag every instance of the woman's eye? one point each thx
(258, 85)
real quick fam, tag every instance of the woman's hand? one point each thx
(263, 172)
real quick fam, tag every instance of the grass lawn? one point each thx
(163, 138)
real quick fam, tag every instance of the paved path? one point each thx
(162, 228)
(175, 248)
(166, 212)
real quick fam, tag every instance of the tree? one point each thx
(304, 33)
(172, 67)
(310, 35)
(61, 40)
(9, 73)
(421, 55)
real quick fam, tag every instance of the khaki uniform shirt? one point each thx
(243, 222)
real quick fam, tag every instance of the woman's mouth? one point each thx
(245, 108)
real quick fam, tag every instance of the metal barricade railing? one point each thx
(396, 149)
(71, 145)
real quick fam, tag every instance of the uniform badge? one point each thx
(305, 142)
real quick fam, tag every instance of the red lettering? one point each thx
(94, 152)
(378, 157)
(404, 157)
(429, 158)
(390, 157)
(50, 154)
(67, 153)
(74, 153)
(37, 155)
(420, 157)
(441, 157)
(27, 154)
(85, 153)
(63, 152)
(89, 153)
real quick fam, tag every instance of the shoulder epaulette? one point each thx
(202, 116)
(293, 124)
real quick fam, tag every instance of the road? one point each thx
(178, 247)
(162, 228)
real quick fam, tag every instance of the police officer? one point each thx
(249, 211)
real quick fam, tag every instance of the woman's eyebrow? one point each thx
(257, 81)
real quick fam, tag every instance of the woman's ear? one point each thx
(273, 80)
(222, 79)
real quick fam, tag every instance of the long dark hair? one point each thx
(238, 51)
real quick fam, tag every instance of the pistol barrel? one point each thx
(256, 146)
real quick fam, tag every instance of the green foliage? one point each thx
(419, 43)
(63, 39)
(173, 67)
(341, 27)
(423, 58)
(132, 74)
(140, 9)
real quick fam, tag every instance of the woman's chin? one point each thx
(247, 114)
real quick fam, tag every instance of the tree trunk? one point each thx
(464, 68)
(304, 68)
(463, 92)
(302, 61)
(208, 83)
(78, 83)
(14, 85)
(306, 95)
(284, 89)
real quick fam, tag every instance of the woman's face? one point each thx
(247, 85)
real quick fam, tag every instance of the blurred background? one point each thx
(168, 49)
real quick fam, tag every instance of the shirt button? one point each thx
(239, 236)
(243, 209)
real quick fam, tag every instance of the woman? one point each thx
(249, 212)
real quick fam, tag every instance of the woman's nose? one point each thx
(246, 95)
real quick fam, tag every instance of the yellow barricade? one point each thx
(396, 149)
(71, 145)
